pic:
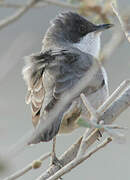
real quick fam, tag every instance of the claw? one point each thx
(100, 135)
(56, 161)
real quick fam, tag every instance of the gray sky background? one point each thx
(22, 38)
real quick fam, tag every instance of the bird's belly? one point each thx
(78, 109)
(70, 117)
(97, 98)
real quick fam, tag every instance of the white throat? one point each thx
(90, 44)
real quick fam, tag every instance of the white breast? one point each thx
(90, 44)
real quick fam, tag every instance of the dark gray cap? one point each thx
(70, 26)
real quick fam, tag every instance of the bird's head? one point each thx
(70, 27)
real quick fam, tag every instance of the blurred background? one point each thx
(22, 38)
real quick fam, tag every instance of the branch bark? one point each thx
(77, 161)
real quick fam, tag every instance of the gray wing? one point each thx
(62, 74)
(32, 73)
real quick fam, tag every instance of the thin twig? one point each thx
(5, 22)
(82, 148)
(34, 165)
(94, 115)
(89, 106)
(40, 5)
(116, 94)
(18, 5)
(127, 34)
(77, 161)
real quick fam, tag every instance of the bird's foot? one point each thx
(100, 135)
(56, 161)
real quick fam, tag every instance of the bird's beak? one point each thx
(103, 27)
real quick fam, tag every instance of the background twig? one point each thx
(127, 34)
(34, 165)
(17, 15)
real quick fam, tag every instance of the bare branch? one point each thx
(77, 161)
(127, 34)
(17, 15)
(34, 165)
(93, 114)
(88, 105)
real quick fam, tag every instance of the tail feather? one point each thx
(48, 126)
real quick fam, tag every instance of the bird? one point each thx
(70, 47)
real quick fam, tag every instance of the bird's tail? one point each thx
(48, 127)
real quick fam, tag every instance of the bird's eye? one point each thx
(82, 29)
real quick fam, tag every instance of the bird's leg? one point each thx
(55, 160)
(53, 155)
(100, 135)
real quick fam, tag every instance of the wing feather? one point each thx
(61, 75)
(32, 74)
(49, 75)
